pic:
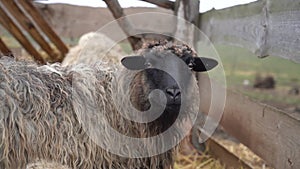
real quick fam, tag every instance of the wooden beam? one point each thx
(265, 27)
(230, 160)
(213, 147)
(10, 26)
(162, 3)
(4, 49)
(189, 10)
(26, 23)
(124, 23)
(44, 26)
(270, 133)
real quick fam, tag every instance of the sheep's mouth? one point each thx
(174, 103)
(168, 106)
(173, 106)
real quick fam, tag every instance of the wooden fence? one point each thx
(265, 27)
(270, 133)
(20, 16)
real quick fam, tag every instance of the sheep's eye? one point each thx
(148, 65)
(190, 65)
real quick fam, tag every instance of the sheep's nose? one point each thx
(173, 93)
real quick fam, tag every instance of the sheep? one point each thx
(91, 47)
(43, 107)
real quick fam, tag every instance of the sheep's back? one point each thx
(38, 120)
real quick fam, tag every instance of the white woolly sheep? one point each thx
(93, 46)
(41, 107)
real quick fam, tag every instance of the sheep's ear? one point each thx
(134, 62)
(203, 64)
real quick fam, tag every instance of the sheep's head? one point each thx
(163, 69)
(155, 67)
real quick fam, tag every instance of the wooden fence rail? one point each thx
(28, 26)
(44, 26)
(270, 133)
(9, 25)
(226, 157)
(20, 16)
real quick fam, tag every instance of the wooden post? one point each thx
(26, 23)
(4, 49)
(9, 25)
(188, 10)
(117, 11)
(44, 26)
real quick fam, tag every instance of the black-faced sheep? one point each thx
(43, 108)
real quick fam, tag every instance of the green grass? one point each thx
(240, 64)
(268, 97)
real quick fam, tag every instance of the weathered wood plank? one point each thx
(189, 11)
(4, 49)
(26, 23)
(214, 147)
(265, 27)
(117, 11)
(10, 26)
(162, 3)
(44, 26)
(227, 158)
(270, 133)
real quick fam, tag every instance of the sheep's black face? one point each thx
(158, 79)
(155, 67)
(163, 71)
